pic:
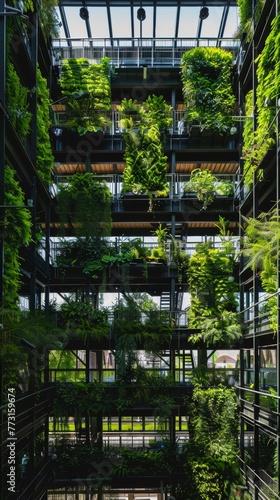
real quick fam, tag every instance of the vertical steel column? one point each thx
(47, 287)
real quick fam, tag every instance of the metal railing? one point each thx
(176, 183)
(135, 52)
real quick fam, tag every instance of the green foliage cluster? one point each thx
(145, 162)
(145, 462)
(48, 18)
(88, 91)
(257, 141)
(206, 186)
(83, 321)
(261, 247)
(86, 252)
(246, 14)
(95, 256)
(155, 110)
(213, 294)
(44, 156)
(206, 74)
(17, 101)
(139, 320)
(85, 204)
(18, 106)
(181, 260)
(17, 230)
(28, 6)
(78, 400)
(211, 463)
(135, 385)
(34, 327)
(71, 455)
(202, 182)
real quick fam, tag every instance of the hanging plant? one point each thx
(257, 141)
(129, 114)
(206, 74)
(138, 321)
(246, 13)
(82, 321)
(213, 291)
(261, 248)
(85, 204)
(44, 158)
(88, 91)
(145, 163)
(17, 95)
(211, 451)
(17, 102)
(17, 231)
(181, 260)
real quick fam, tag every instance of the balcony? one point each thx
(135, 52)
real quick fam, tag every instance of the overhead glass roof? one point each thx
(164, 19)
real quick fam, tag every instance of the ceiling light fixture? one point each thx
(84, 13)
(204, 13)
(141, 14)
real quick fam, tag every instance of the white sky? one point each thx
(165, 25)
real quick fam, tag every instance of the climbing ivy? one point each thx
(259, 137)
(17, 230)
(44, 157)
(211, 462)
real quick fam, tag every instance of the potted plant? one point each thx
(202, 182)
(207, 88)
(224, 187)
(157, 254)
(129, 114)
(128, 107)
(162, 234)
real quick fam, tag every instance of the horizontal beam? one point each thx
(148, 3)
